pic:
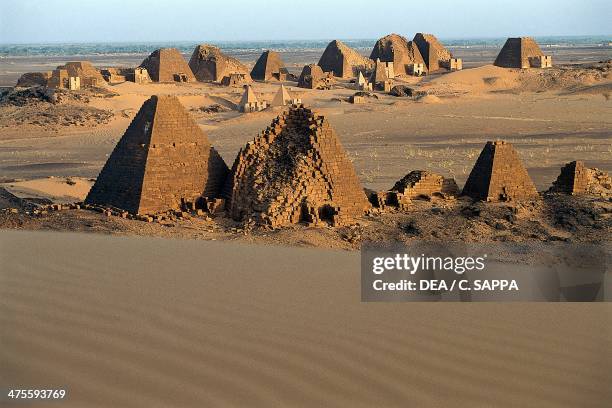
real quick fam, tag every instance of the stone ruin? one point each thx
(89, 75)
(208, 63)
(398, 50)
(249, 102)
(161, 162)
(236, 79)
(434, 54)
(141, 76)
(499, 175)
(453, 64)
(382, 75)
(522, 52)
(295, 171)
(418, 184)
(34, 79)
(167, 65)
(576, 178)
(343, 61)
(417, 69)
(313, 77)
(116, 75)
(284, 98)
(269, 66)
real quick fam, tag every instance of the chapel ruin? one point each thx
(269, 66)
(295, 171)
(398, 50)
(343, 61)
(499, 175)
(162, 161)
(522, 52)
(167, 65)
(208, 63)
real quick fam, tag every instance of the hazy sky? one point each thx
(23, 21)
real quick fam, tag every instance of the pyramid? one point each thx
(383, 71)
(397, 49)
(312, 77)
(283, 98)
(89, 75)
(208, 63)
(268, 66)
(342, 60)
(576, 178)
(432, 51)
(516, 53)
(296, 170)
(249, 101)
(162, 159)
(423, 183)
(167, 65)
(499, 175)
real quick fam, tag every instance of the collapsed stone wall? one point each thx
(295, 171)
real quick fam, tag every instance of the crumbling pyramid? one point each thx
(423, 183)
(313, 77)
(516, 53)
(397, 49)
(208, 63)
(432, 51)
(576, 178)
(295, 171)
(167, 65)
(89, 75)
(162, 160)
(343, 61)
(269, 66)
(499, 175)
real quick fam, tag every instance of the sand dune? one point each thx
(136, 322)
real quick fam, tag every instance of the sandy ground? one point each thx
(138, 322)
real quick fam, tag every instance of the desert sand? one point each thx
(142, 322)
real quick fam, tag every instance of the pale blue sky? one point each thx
(34, 21)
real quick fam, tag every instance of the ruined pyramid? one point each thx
(162, 160)
(499, 175)
(516, 53)
(208, 63)
(269, 66)
(89, 75)
(167, 65)
(432, 50)
(295, 171)
(576, 178)
(343, 61)
(423, 183)
(312, 77)
(397, 49)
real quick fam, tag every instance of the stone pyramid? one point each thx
(397, 49)
(312, 77)
(282, 97)
(432, 50)
(499, 175)
(342, 60)
(248, 96)
(208, 63)
(166, 65)
(162, 159)
(423, 183)
(268, 66)
(295, 171)
(516, 53)
(576, 178)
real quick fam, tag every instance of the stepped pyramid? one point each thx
(432, 50)
(208, 63)
(162, 159)
(342, 60)
(269, 66)
(283, 98)
(499, 175)
(296, 170)
(516, 53)
(167, 65)
(397, 49)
